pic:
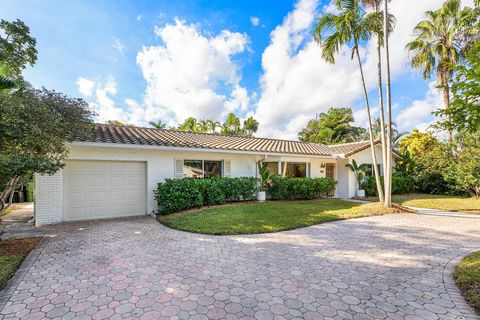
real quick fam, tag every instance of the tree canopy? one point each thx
(331, 127)
(231, 126)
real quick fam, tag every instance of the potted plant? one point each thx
(359, 172)
(265, 178)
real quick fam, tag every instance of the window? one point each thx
(272, 167)
(294, 169)
(202, 169)
(369, 172)
(330, 170)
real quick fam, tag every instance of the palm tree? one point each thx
(358, 171)
(350, 25)
(213, 125)
(190, 124)
(231, 125)
(250, 126)
(202, 126)
(158, 124)
(440, 41)
(6, 83)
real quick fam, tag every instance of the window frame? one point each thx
(203, 168)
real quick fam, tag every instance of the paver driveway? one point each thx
(372, 268)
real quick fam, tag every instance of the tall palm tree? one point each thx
(158, 124)
(202, 126)
(439, 44)
(213, 125)
(190, 124)
(350, 25)
(231, 125)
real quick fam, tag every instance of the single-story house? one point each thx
(113, 172)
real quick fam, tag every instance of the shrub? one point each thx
(300, 188)
(399, 185)
(181, 194)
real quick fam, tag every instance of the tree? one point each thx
(202, 126)
(250, 126)
(190, 124)
(17, 48)
(463, 114)
(350, 25)
(115, 123)
(213, 125)
(406, 167)
(231, 126)
(34, 126)
(440, 44)
(158, 124)
(358, 171)
(332, 127)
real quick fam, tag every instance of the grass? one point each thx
(441, 202)
(467, 278)
(12, 253)
(271, 216)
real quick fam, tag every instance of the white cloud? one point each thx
(254, 21)
(419, 113)
(117, 44)
(139, 17)
(192, 74)
(85, 86)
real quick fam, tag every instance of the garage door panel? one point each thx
(104, 189)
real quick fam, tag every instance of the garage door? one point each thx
(103, 189)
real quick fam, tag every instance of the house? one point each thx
(113, 172)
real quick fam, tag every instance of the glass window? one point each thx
(272, 167)
(193, 169)
(212, 169)
(294, 170)
(369, 172)
(330, 170)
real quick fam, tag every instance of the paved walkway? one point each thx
(385, 267)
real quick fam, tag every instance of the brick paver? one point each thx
(386, 267)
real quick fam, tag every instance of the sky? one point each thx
(141, 61)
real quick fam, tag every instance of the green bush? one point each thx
(399, 185)
(181, 194)
(300, 188)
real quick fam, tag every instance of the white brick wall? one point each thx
(48, 198)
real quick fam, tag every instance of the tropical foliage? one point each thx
(331, 127)
(231, 126)
(358, 171)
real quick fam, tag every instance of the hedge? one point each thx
(300, 188)
(181, 194)
(399, 185)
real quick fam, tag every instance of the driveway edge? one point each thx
(453, 291)
(21, 272)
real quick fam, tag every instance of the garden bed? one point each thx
(467, 278)
(271, 216)
(12, 253)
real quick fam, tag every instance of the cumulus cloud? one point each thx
(85, 86)
(192, 74)
(254, 21)
(419, 113)
(296, 82)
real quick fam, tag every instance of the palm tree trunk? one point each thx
(388, 173)
(380, 99)
(446, 101)
(372, 143)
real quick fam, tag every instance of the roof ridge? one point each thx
(211, 134)
(348, 143)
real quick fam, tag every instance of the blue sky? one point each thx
(147, 60)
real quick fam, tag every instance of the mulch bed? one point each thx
(17, 247)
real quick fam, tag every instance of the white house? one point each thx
(113, 172)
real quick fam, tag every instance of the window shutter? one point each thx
(178, 168)
(227, 168)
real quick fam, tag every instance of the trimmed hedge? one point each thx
(181, 194)
(300, 188)
(399, 185)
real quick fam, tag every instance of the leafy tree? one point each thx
(158, 124)
(115, 123)
(441, 41)
(350, 25)
(463, 114)
(231, 126)
(406, 167)
(250, 126)
(17, 48)
(332, 127)
(34, 126)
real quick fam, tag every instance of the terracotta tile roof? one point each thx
(103, 133)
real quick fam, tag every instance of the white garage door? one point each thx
(103, 189)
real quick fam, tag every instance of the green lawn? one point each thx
(433, 201)
(271, 216)
(12, 253)
(467, 278)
